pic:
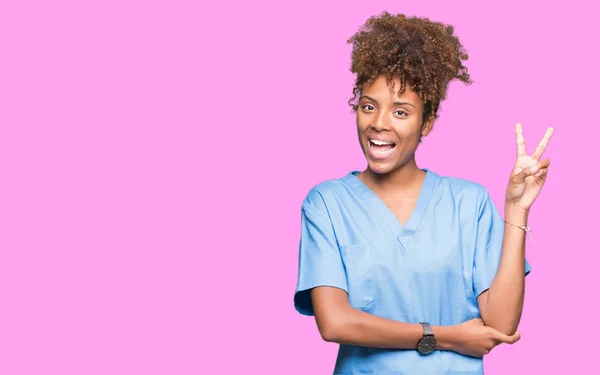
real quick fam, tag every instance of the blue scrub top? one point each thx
(432, 269)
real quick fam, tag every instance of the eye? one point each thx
(368, 107)
(401, 113)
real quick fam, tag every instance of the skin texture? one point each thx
(387, 114)
(403, 67)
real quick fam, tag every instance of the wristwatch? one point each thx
(427, 343)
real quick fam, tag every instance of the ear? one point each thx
(427, 126)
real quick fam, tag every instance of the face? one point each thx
(390, 125)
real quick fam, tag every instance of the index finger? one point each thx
(541, 147)
(520, 140)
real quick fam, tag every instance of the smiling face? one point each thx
(390, 125)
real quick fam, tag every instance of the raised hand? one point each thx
(529, 173)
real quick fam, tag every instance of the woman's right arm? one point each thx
(339, 322)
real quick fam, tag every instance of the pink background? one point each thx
(154, 155)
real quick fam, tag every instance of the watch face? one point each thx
(426, 345)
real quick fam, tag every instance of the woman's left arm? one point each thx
(501, 305)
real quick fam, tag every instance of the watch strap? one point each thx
(427, 330)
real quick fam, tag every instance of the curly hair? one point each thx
(424, 54)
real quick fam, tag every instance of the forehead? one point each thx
(382, 91)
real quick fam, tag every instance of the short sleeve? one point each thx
(488, 246)
(319, 262)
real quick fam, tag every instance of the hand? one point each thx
(474, 339)
(529, 174)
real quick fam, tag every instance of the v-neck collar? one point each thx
(404, 232)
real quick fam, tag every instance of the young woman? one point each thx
(409, 271)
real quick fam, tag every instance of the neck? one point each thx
(404, 177)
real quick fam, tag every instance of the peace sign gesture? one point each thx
(529, 174)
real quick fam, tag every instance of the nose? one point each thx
(380, 122)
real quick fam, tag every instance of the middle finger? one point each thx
(541, 147)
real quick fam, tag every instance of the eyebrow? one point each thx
(376, 102)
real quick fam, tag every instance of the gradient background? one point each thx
(154, 156)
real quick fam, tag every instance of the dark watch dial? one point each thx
(426, 345)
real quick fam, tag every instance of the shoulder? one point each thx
(327, 192)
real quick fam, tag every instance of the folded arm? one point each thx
(339, 322)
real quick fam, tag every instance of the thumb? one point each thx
(516, 337)
(526, 172)
(508, 339)
(531, 170)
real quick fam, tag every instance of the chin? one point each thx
(381, 168)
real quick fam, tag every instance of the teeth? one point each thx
(381, 143)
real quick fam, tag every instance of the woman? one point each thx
(409, 271)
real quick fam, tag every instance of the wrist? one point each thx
(444, 336)
(515, 214)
